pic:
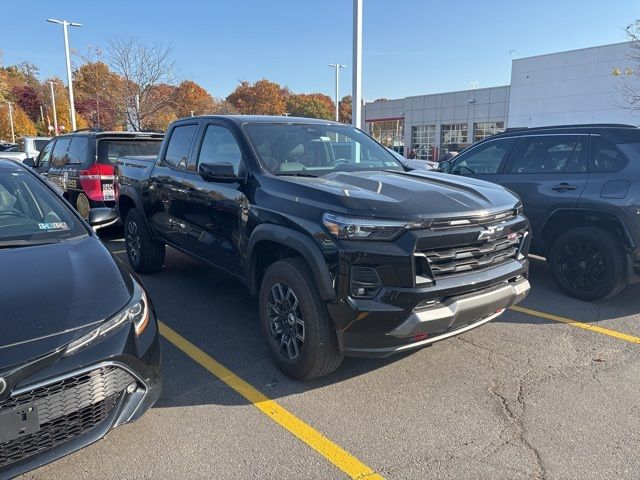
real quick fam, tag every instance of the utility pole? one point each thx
(13, 133)
(337, 66)
(65, 24)
(53, 103)
(356, 92)
(41, 115)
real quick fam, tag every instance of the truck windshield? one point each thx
(32, 214)
(110, 150)
(315, 149)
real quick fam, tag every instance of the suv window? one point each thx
(179, 144)
(550, 154)
(77, 152)
(59, 155)
(45, 156)
(605, 156)
(219, 145)
(483, 159)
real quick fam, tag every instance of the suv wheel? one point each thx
(145, 254)
(588, 263)
(294, 320)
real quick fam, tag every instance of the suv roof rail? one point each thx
(92, 129)
(577, 125)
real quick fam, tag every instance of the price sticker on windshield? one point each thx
(53, 226)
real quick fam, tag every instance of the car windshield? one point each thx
(31, 214)
(110, 150)
(316, 149)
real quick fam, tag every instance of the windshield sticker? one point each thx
(53, 226)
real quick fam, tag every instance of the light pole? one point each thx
(65, 24)
(13, 132)
(337, 66)
(53, 103)
(356, 92)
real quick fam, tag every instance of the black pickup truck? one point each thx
(349, 252)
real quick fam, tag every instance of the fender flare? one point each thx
(132, 193)
(299, 242)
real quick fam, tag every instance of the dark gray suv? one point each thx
(580, 186)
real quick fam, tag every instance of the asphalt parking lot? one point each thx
(521, 397)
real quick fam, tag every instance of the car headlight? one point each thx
(350, 228)
(136, 312)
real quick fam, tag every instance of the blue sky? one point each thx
(411, 47)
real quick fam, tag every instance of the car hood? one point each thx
(51, 293)
(401, 195)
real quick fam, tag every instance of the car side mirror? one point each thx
(29, 162)
(445, 166)
(217, 172)
(102, 217)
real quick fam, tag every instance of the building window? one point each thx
(454, 136)
(389, 133)
(486, 129)
(423, 141)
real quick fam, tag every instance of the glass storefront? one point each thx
(423, 141)
(389, 133)
(486, 129)
(454, 138)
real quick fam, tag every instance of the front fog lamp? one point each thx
(137, 312)
(350, 228)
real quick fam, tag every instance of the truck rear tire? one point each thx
(295, 323)
(588, 263)
(145, 254)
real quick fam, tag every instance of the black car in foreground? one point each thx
(349, 252)
(580, 186)
(79, 345)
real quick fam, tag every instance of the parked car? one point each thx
(580, 185)
(349, 253)
(81, 163)
(28, 147)
(79, 347)
(414, 163)
(8, 147)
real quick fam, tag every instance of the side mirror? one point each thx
(29, 162)
(217, 172)
(102, 217)
(445, 166)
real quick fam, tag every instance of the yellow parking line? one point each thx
(585, 326)
(342, 459)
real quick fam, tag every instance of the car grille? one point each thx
(462, 222)
(66, 409)
(444, 262)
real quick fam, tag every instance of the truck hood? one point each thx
(51, 293)
(402, 195)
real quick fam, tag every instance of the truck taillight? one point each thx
(93, 178)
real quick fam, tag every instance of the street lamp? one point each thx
(356, 89)
(53, 102)
(66, 24)
(337, 66)
(13, 133)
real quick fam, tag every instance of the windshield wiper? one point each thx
(296, 174)
(26, 243)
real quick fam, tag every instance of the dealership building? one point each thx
(577, 86)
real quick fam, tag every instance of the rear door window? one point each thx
(59, 155)
(606, 157)
(550, 154)
(179, 145)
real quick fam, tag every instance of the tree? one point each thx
(96, 86)
(28, 99)
(261, 98)
(143, 69)
(344, 109)
(311, 105)
(630, 76)
(191, 97)
(22, 124)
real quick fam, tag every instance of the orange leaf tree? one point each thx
(260, 98)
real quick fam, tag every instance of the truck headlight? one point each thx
(136, 312)
(352, 228)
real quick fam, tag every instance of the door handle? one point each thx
(562, 187)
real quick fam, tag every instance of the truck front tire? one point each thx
(294, 320)
(145, 254)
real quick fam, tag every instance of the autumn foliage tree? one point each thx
(263, 97)
(311, 105)
(22, 124)
(192, 98)
(344, 109)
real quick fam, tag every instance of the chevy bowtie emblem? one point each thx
(3, 385)
(490, 232)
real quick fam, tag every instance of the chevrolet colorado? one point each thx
(348, 252)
